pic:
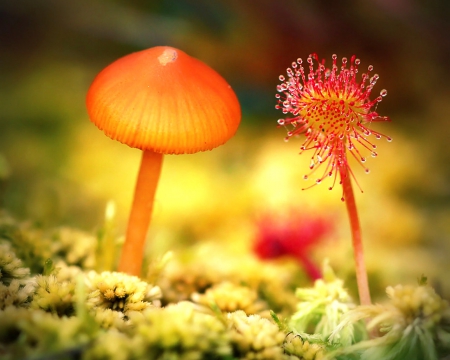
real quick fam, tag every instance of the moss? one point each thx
(209, 264)
(28, 243)
(120, 292)
(110, 345)
(180, 331)
(254, 337)
(413, 325)
(54, 296)
(320, 309)
(295, 345)
(72, 312)
(229, 297)
(27, 333)
(11, 267)
(34, 245)
(74, 247)
(17, 293)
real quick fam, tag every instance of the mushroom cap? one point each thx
(163, 100)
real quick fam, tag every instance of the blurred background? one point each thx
(57, 168)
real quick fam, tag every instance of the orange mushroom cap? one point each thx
(163, 100)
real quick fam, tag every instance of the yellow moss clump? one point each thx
(26, 334)
(229, 297)
(16, 294)
(179, 281)
(415, 302)
(298, 348)
(120, 292)
(180, 331)
(109, 345)
(74, 246)
(413, 325)
(209, 264)
(109, 319)
(11, 267)
(54, 296)
(254, 337)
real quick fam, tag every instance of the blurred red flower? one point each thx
(293, 235)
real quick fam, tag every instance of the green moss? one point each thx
(54, 296)
(320, 309)
(254, 337)
(120, 292)
(27, 333)
(11, 267)
(180, 331)
(71, 311)
(28, 243)
(17, 293)
(413, 325)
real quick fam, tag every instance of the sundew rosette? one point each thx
(333, 110)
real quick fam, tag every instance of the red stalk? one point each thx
(361, 272)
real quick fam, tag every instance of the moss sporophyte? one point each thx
(332, 109)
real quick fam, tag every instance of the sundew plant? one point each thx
(332, 110)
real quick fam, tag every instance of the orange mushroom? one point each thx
(161, 101)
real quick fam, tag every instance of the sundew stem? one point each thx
(355, 228)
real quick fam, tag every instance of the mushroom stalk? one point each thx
(361, 272)
(141, 211)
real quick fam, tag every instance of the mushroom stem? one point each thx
(141, 211)
(361, 272)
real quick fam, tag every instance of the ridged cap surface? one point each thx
(163, 100)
